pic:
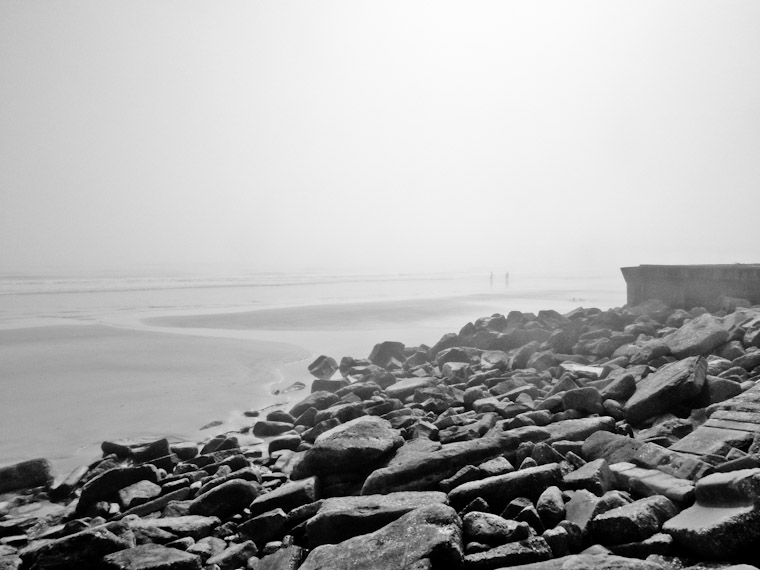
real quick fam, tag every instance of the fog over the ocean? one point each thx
(386, 136)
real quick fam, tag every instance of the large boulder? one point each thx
(423, 470)
(355, 446)
(499, 490)
(698, 336)
(341, 518)
(429, 537)
(669, 385)
(724, 521)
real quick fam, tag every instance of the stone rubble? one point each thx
(625, 439)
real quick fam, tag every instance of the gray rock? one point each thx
(265, 527)
(634, 522)
(152, 557)
(594, 476)
(194, 526)
(137, 493)
(423, 470)
(79, 550)
(355, 446)
(591, 562)
(341, 518)
(286, 497)
(487, 528)
(234, 556)
(288, 558)
(534, 549)
(499, 490)
(551, 506)
(697, 336)
(224, 500)
(672, 384)
(430, 537)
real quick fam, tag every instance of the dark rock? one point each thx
(328, 385)
(157, 453)
(266, 428)
(429, 537)
(319, 400)
(620, 389)
(224, 500)
(385, 352)
(265, 527)
(25, 475)
(584, 399)
(152, 557)
(106, 485)
(323, 367)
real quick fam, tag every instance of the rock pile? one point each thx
(627, 438)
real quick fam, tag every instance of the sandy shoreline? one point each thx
(65, 389)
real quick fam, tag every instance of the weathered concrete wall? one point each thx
(687, 286)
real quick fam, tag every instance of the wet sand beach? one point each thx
(65, 389)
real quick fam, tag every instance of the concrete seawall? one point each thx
(686, 286)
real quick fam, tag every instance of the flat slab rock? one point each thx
(590, 562)
(430, 537)
(667, 386)
(423, 470)
(708, 532)
(152, 557)
(341, 518)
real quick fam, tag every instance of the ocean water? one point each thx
(31, 300)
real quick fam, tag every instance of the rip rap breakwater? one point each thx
(625, 438)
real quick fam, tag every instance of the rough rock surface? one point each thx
(430, 537)
(594, 439)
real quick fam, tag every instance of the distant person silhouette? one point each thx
(506, 279)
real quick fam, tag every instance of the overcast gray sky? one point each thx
(355, 135)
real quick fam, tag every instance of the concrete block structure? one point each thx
(687, 286)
